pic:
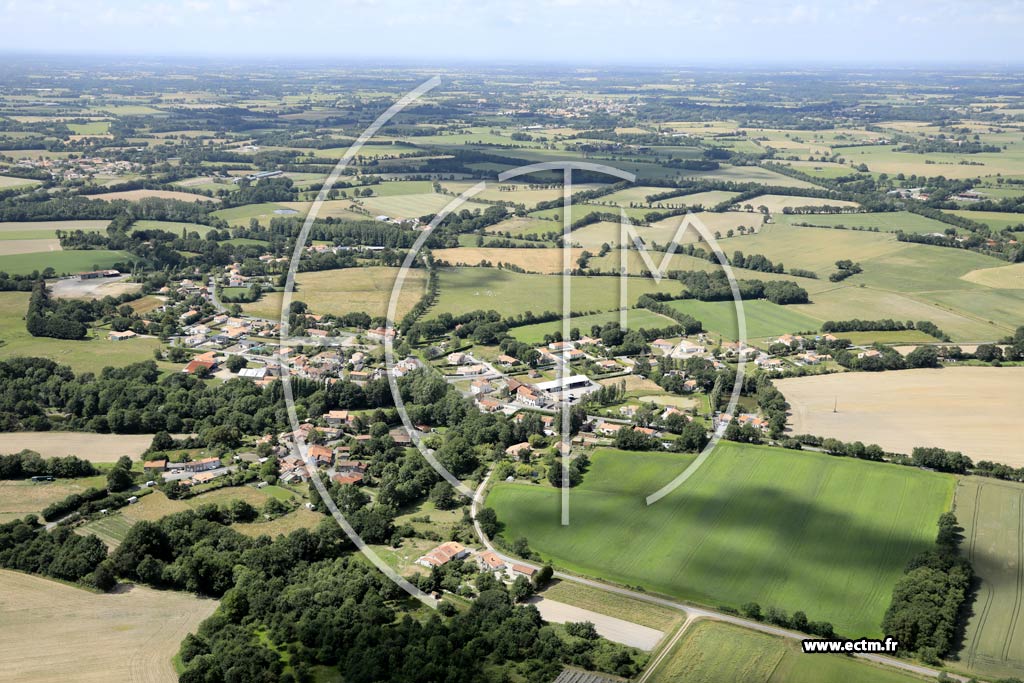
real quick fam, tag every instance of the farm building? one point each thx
(121, 336)
(443, 554)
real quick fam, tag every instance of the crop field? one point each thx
(517, 227)
(991, 513)
(714, 652)
(241, 215)
(1001, 277)
(53, 632)
(777, 202)
(706, 199)
(136, 195)
(882, 159)
(46, 229)
(172, 226)
(392, 188)
(470, 289)
(636, 318)
(63, 262)
(794, 530)
(903, 409)
(347, 290)
(413, 205)
(14, 247)
(91, 446)
(763, 318)
(633, 195)
(517, 193)
(592, 236)
(886, 221)
(748, 174)
(614, 605)
(997, 220)
(88, 355)
(532, 260)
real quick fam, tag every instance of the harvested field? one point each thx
(55, 633)
(73, 288)
(1001, 277)
(24, 496)
(777, 202)
(532, 260)
(94, 447)
(136, 195)
(12, 247)
(967, 409)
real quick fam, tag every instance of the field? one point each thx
(470, 289)
(997, 220)
(614, 605)
(713, 652)
(88, 355)
(53, 632)
(886, 221)
(1001, 277)
(968, 409)
(63, 262)
(46, 229)
(241, 215)
(532, 260)
(7, 182)
(792, 530)
(413, 205)
(94, 447)
(21, 497)
(775, 203)
(12, 247)
(991, 513)
(636, 318)
(136, 195)
(763, 318)
(345, 291)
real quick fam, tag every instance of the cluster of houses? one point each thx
(189, 473)
(486, 561)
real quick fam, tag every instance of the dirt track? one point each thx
(617, 630)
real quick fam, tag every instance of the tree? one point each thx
(443, 496)
(751, 610)
(520, 589)
(243, 511)
(236, 363)
(119, 479)
(543, 577)
(487, 518)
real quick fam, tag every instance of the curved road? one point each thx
(692, 613)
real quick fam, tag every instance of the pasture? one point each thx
(347, 290)
(23, 496)
(991, 513)
(636, 318)
(53, 632)
(967, 409)
(997, 220)
(886, 221)
(794, 530)
(241, 215)
(88, 355)
(763, 318)
(8, 182)
(470, 289)
(715, 652)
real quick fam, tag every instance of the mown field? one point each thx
(968, 409)
(88, 355)
(763, 318)
(53, 632)
(63, 262)
(20, 230)
(531, 260)
(991, 513)
(91, 446)
(21, 497)
(713, 652)
(798, 531)
(347, 290)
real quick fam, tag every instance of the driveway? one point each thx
(616, 630)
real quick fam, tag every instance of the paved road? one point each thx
(616, 630)
(690, 611)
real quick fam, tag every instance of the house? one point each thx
(527, 396)
(205, 477)
(457, 358)
(558, 347)
(322, 454)
(158, 465)
(517, 449)
(489, 561)
(663, 345)
(443, 554)
(608, 365)
(753, 421)
(121, 336)
(506, 360)
(480, 386)
(870, 353)
(470, 370)
(338, 418)
(523, 570)
(351, 478)
(686, 349)
(196, 366)
(488, 405)
(608, 428)
(195, 465)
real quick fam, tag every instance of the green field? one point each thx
(763, 318)
(89, 355)
(997, 220)
(46, 229)
(636, 318)
(798, 531)
(713, 652)
(886, 221)
(413, 205)
(173, 227)
(471, 289)
(8, 182)
(241, 215)
(991, 513)
(63, 262)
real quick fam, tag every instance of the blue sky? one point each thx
(576, 31)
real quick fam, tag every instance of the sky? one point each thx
(606, 32)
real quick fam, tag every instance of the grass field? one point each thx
(614, 605)
(777, 202)
(172, 227)
(63, 262)
(413, 205)
(8, 182)
(636, 318)
(21, 497)
(886, 221)
(997, 220)
(1000, 277)
(470, 289)
(46, 229)
(713, 652)
(345, 291)
(991, 513)
(763, 318)
(88, 355)
(53, 632)
(13, 247)
(136, 195)
(968, 409)
(241, 215)
(792, 530)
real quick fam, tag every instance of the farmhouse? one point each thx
(663, 345)
(443, 554)
(338, 418)
(489, 561)
(121, 336)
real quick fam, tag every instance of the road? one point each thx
(692, 613)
